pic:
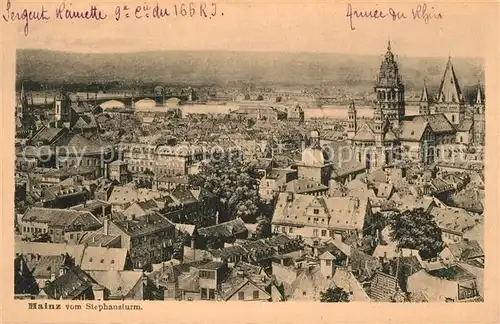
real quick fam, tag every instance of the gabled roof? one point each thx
(99, 258)
(70, 285)
(119, 283)
(66, 218)
(412, 130)
(449, 91)
(364, 134)
(226, 229)
(465, 126)
(438, 122)
(147, 224)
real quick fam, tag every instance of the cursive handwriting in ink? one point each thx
(420, 12)
(24, 15)
(92, 13)
(373, 14)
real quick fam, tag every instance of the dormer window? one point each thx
(316, 211)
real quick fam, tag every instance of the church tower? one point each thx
(378, 126)
(62, 108)
(389, 89)
(22, 103)
(479, 117)
(424, 102)
(450, 100)
(351, 121)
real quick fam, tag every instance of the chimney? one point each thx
(193, 243)
(105, 226)
(103, 208)
(217, 218)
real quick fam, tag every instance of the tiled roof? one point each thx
(97, 239)
(147, 224)
(343, 212)
(227, 229)
(465, 250)
(99, 258)
(70, 285)
(45, 265)
(412, 130)
(119, 283)
(438, 122)
(449, 91)
(455, 220)
(300, 186)
(69, 219)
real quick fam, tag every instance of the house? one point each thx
(320, 217)
(56, 222)
(24, 282)
(249, 283)
(121, 285)
(468, 251)
(46, 268)
(309, 285)
(64, 196)
(73, 284)
(149, 239)
(224, 232)
(453, 222)
(448, 284)
(306, 187)
(274, 181)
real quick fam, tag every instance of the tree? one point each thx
(334, 295)
(234, 182)
(263, 229)
(416, 229)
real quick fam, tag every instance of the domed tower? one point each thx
(389, 89)
(315, 164)
(351, 121)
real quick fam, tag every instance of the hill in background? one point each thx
(220, 67)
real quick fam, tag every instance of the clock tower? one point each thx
(389, 89)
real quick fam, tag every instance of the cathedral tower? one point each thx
(389, 89)
(62, 108)
(450, 100)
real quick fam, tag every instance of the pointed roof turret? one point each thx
(389, 71)
(352, 107)
(424, 97)
(449, 91)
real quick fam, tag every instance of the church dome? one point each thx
(314, 156)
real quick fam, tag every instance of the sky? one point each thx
(291, 26)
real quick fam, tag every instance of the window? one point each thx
(211, 294)
(316, 211)
(323, 232)
(70, 236)
(241, 295)
(328, 263)
(255, 294)
(304, 293)
(290, 230)
(316, 220)
(315, 232)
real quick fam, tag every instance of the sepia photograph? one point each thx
(317, 161)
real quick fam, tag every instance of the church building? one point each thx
(392, 136)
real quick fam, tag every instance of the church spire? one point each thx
(389, 45)
(449, 91)
(479, 96)
(424, 97)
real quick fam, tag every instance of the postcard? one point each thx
(249, 161)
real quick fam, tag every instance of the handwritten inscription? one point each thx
(420, 12)
(67, 11)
